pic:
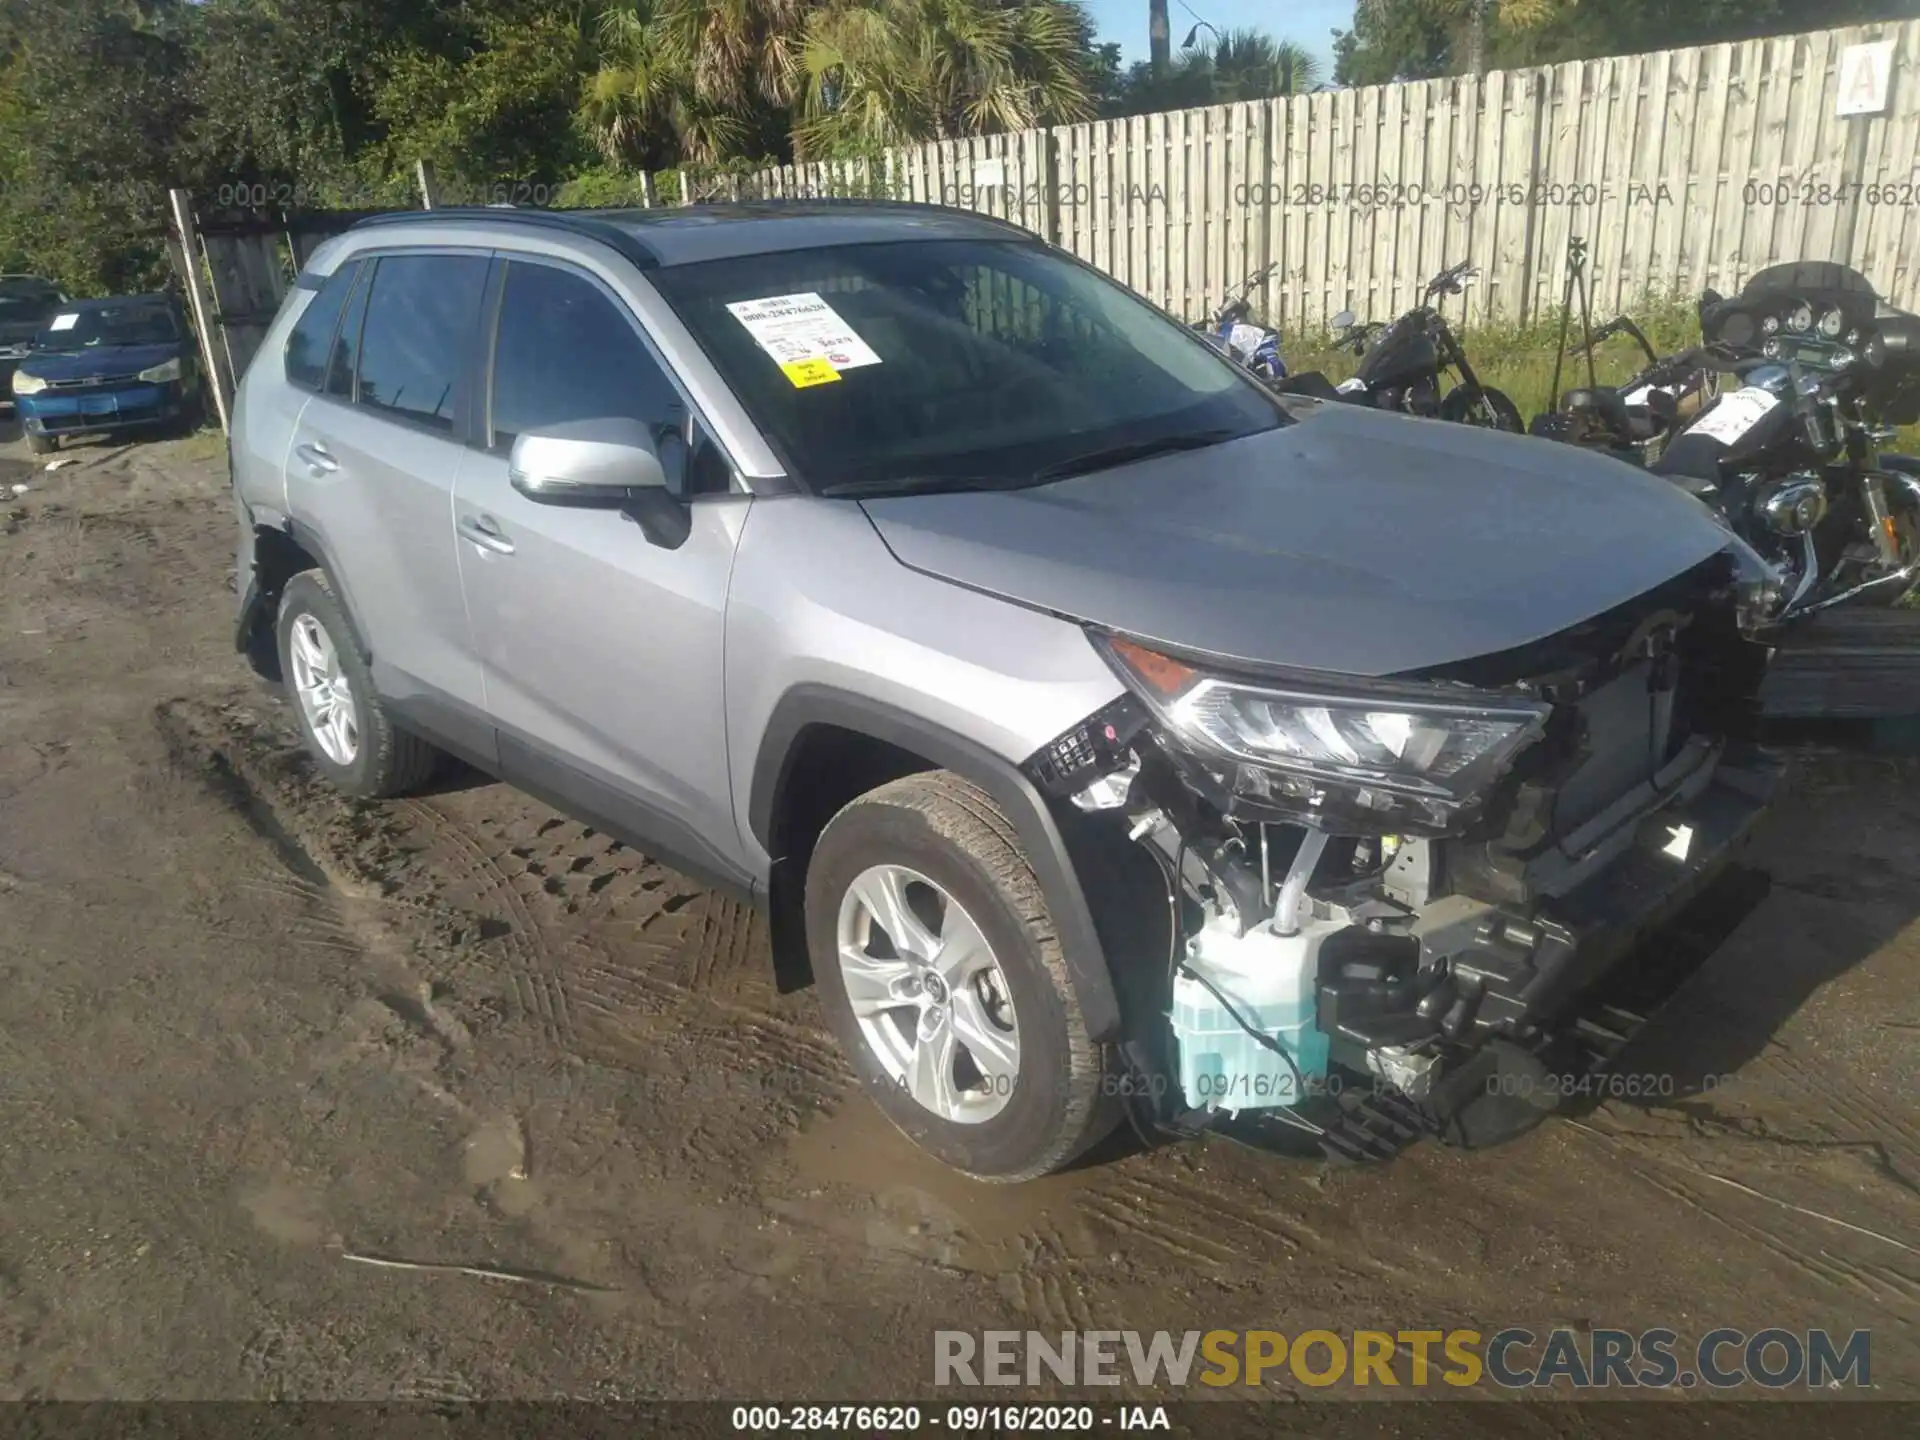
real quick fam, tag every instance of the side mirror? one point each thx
(1342, 321)
(606, 463)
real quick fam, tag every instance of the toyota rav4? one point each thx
(1103, 734)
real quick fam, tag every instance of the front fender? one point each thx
(1039, 832)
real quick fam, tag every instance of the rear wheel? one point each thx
(347, 730)
(941, 973)
(1490, 409)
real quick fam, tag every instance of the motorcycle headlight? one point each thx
(165, 370)
(1400, 756)
(25, 384)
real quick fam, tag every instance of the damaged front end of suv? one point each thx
(1395, 904)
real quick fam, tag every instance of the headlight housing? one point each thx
(165, 370)
(1393, 757)
(25, 384)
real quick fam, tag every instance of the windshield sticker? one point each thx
(809, 372)
(804, 335)
(1735, 415)
(64, 322)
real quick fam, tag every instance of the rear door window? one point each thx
(421, 322)
(312, 339)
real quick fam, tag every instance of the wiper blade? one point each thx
(1137, 450)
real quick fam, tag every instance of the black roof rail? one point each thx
(584, 223)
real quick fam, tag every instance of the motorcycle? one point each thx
(1231, 330)
(1630, 421)
(1402, 364)
(1790, 458)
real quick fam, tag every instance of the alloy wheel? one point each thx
(928, 994)
(325, 694)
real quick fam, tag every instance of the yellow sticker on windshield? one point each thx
(809, 372)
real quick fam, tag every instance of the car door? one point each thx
(370, 479)
(601, 650)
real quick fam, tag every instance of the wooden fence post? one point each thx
(180, 202)
(647, 199)
(429, 188)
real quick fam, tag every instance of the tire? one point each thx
(42, 444)
(382, 759)
(940, 829)
(1460, 407)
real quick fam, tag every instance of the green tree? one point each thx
(86, 189)
(888, 72)
(704, 80)
(495, 105)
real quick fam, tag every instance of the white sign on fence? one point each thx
(1865, 73)
(989, 174)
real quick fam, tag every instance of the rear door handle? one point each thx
(318, 461)
(484, 531)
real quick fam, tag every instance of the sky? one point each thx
(1308, 23)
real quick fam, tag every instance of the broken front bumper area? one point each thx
(1513, 971)
(1554, 989)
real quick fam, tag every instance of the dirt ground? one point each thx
(255, 1038)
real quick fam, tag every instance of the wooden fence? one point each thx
(1681, 169)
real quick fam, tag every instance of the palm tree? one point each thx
(886, 72)
(710, 78)
(1248, 65)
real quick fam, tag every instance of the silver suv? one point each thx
(1104, 734)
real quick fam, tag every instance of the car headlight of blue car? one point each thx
(25, 384)
(165, 370)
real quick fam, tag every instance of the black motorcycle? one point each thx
(1790, 457)
(1403, 365)
(1631, 421)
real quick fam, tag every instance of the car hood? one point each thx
(1355, 542)
(99, 362)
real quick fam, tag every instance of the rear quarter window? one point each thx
(311, 341)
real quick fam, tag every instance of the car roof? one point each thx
(685, 235)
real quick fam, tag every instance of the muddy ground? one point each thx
(255, 1038)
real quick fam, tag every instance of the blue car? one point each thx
(100, 366)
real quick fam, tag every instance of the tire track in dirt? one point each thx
(539, 987)
(1879, 1282)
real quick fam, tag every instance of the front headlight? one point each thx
(1396, 754)
(25, 384)
(165, 370)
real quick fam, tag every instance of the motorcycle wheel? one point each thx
(1493, 412)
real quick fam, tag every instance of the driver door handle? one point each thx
(484, 531)
(318, 461)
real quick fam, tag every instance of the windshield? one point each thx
(971, 364)
(134, 323)
(27, 302)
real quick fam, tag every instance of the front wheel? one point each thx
(1490, 409)
(42, 444)
(942, 975)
